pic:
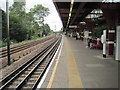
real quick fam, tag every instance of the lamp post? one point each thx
(8, 35)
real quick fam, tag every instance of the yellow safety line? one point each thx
(54, 70)
(74, 77)
(53, 75)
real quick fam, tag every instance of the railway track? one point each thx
(28, 75)
(18, 48)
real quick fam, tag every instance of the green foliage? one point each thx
(25, 26)
(17, 31)
(46, 30)
(98, 31)
(18, 9)
(39, 12)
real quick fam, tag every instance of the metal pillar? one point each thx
(111, 12)
(111, 22)
(8, 35)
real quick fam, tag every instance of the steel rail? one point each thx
(40, 77)
(21, 47)
(5, 79)
(27, 77)
(33, 70)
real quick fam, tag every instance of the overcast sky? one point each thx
(53, 19)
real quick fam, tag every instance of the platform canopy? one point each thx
(72, 12)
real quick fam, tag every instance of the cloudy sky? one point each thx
(53, 19)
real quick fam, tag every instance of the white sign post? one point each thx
(117, 55)
(103, 39)
(86, 37)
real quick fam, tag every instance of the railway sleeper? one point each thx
(16, 59)
(25, 53)
(28, 69)
(32, 66)
(45, 62)
(37, 72)
(41, 68)
(32, 79)
(26, 87)
(15, 83)
(19, 78)
(11, 87)
(23, 75)
(29, 85)
(35, 76)
(26, 72)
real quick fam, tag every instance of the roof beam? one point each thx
(78, 11)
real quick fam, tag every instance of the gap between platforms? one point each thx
(44, 76)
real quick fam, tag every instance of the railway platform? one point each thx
(76, 66)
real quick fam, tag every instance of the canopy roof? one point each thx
(79, 11)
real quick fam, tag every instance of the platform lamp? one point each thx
(8, 33)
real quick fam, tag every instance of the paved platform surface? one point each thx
(81, 67)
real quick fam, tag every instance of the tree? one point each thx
(18, 9)
(17, 31)
(47, 29)
(25, 26)
(39, 12)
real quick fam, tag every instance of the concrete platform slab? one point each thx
(93, 70)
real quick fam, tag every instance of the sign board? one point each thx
(117, 56)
